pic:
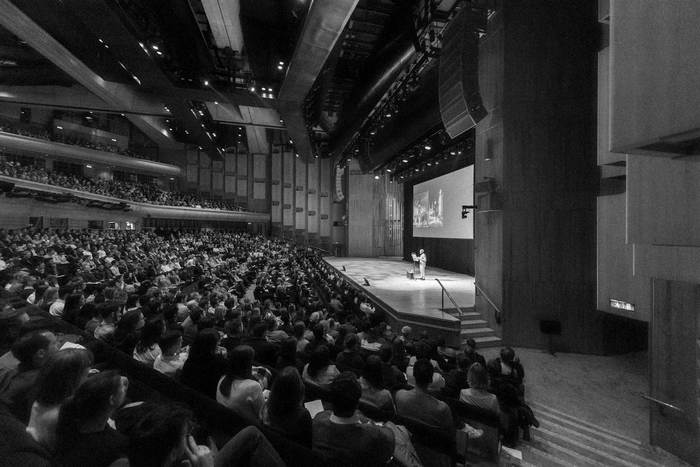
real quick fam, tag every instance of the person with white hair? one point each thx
(422, 260)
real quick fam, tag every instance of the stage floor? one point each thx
(388, 282)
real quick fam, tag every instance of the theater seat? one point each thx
(488, 446)
(434, 447)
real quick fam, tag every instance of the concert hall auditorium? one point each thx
(349, 233)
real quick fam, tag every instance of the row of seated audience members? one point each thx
(249, 334)
(129, 191)
(61, 137)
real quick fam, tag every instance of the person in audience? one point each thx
(58, 305)
(457, 379)
(147, 348)
(49, 297)
(472, 355)
(299, 334)
(172, 359)
(372, 384)
(17, 447)
(350, 358)
(11, 322)
(320, 370)
(108, 314)
(418, 404)
(506, 370)
(238, 389)
(341, 437)
(73, 305)
(287, 355)
(162, 438)
(285, 412)
(58, 379)
(205, 365)
(16, 384)
(265, 351)
(506, 377)
(83, 436)
(476, 394)
(392, 377)
(423, 353)
(128, 330)
(273, 334)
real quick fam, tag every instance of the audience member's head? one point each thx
(32, 350)
(286, 395)
(204, 346)
(159, 438)
(93, 403)
(477, 377)
(171, 342)
(507, 355)
(345, 393)
(320, 359)
(372, 371)
(61, 375)
(351, 341)
(423, 372)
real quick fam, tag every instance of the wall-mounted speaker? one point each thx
(461, 107)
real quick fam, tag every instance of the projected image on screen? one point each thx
(427, 209)
(438, 206)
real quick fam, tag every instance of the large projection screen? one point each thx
(439, 206)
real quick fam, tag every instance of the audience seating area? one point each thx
(66, 139)
(123, 190)
(242, 342)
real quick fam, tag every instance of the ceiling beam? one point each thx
(324, 24)
(113, 94)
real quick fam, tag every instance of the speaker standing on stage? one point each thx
(423, 259)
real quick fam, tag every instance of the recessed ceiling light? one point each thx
(252, 89)
(206, 82)
(88, 166)
(155, 47)
(427, 147)
(114, 139)
(405, 161)
(376, 177)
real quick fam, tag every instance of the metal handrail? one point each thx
(498, 310)
(662, 403)
(445, 292)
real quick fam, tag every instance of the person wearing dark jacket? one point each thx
(204, 366)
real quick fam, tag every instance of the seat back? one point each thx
(434, 447)
(488, 446)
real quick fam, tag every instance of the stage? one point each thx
(417, 303)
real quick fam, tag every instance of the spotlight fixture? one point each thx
(376, 177)
(252, 89)
(88, 166)
(427, 147)
(405, 161)
(206, 82)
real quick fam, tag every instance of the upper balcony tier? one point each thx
(12, 141)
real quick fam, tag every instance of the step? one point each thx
(473, 323)
(535, 457)
(484, 341)
(587, 446)
(591, 428)
(477, 332)
(631, 451)
(557, 455)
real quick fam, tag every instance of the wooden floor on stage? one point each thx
(388, 282)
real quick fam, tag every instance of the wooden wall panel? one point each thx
(276, 186)
(288, 190)
(300, 212)
(312, 188)
(325, 196)
(664, 200)
(654, 77)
